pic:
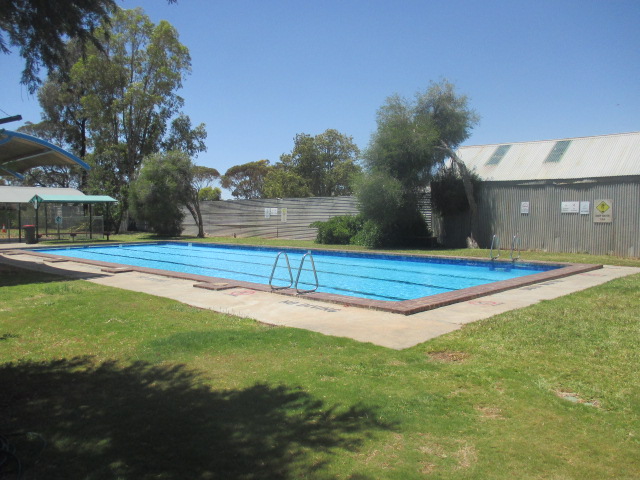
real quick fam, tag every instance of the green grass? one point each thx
(123, 385)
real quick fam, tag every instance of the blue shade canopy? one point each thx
(20, 152)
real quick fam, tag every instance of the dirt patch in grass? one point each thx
(492, 413)
(447, 356)
(575, 398)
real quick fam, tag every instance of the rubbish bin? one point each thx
(30, 234)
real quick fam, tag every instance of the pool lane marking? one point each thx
(255, 275)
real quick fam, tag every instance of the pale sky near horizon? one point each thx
(263, 71)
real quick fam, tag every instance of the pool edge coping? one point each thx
(404, 307)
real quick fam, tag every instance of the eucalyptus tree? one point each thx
(128, 96)
(247, 180)
(40, 30)
(326, 162)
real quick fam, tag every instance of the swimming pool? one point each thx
(363, 279)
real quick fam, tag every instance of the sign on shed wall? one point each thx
(603, 211)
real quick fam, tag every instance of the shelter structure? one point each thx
(576, 195)
(50, 211)
(20, 152)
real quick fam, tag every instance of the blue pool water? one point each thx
(379, 277)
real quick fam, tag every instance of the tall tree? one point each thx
(247, 180)
(327, 162)
(130, 96)
(412, 140)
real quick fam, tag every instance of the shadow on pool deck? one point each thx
(313, 312)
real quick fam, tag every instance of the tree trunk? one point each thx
(194, 209)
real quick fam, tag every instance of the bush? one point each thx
(370, 235)
(337, 230)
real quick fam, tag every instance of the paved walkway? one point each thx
(390, 330)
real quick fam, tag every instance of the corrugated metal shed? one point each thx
(602, 156)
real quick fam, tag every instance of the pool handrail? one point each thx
(516, 239)
(273, 270)
(313, 269)
(495, 241)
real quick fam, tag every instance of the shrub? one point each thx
(337, 230)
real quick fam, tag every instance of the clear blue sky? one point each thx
(264, 70)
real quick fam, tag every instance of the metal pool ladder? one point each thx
(495, 241)
(514, 241)
(273, 270)
(313, 269)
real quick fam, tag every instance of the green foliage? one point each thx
(40, 28)
(207, 194)
(326, 163)
(246, 180)
(405, 151)
(282, 183)
(447, 192)
(338, 230)
(160, 191)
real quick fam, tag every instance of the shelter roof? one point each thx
(570, 158)
(20, 152)
(25, 194)
(56, 198)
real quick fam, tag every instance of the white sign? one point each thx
(524, 208)
(570, 207)
(584, 208)
(283, 215)
(267, 212)
(274, 211)
(58, 220)
(603, 211)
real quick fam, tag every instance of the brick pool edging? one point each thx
(404, 307)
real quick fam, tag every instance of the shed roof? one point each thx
(20, 152)
(25, 194)
(569, 158)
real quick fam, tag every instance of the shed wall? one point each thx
(545, 227)
(246, 218)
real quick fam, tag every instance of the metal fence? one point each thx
(269, 218)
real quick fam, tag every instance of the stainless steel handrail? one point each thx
(313, 269)
(495, 240)
(516, 239)
(273, 270)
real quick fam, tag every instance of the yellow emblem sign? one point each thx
(603, 207)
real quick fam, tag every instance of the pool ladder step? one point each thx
(291, 283)
(515, 247)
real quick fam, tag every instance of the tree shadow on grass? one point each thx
(18, 272)
(143, 421)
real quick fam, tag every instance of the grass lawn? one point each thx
(103, 383)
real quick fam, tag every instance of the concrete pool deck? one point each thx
(391, 330)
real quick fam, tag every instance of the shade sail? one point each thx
(20, 152)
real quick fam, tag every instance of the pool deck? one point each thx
(386, 329)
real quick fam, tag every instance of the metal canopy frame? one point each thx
(20, 152)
